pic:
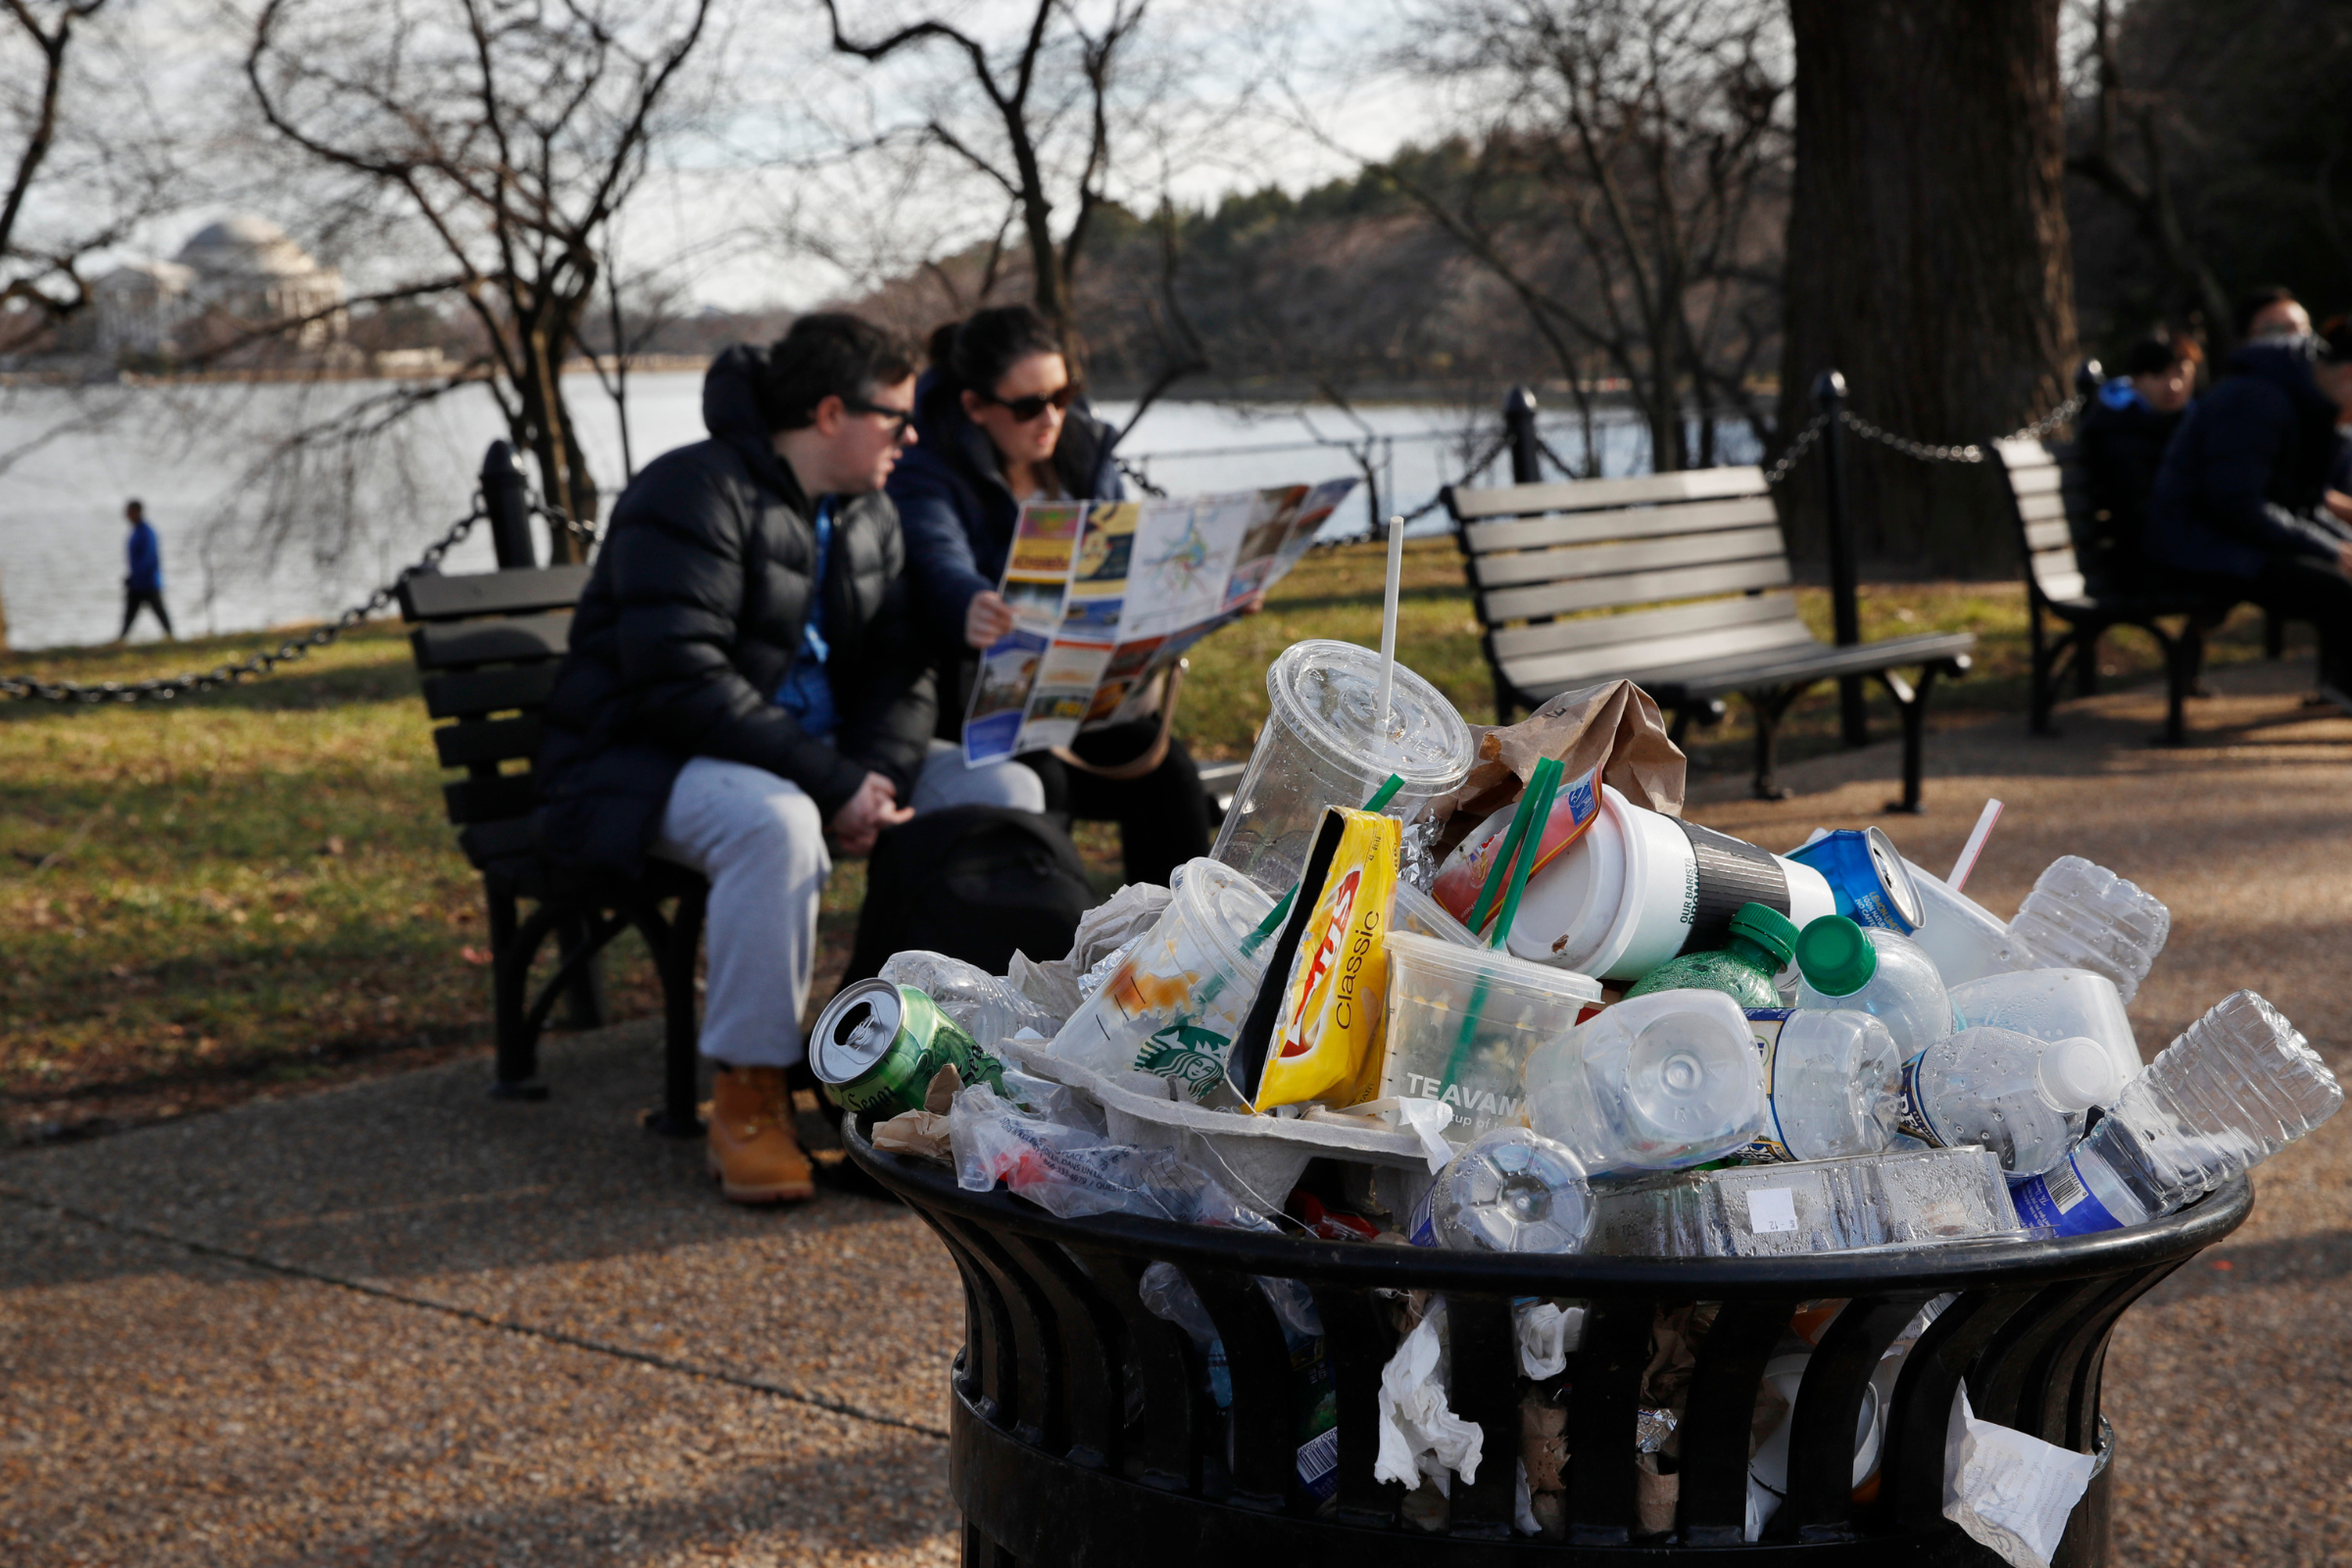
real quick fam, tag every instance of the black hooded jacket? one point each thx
(2243, 476)
(691, 618)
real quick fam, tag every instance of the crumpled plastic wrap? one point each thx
(1054, 985)
(1072, 1170)
(1420, 1436)
(987, 1008)
(2011, 1492)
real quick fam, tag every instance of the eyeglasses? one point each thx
(1024, 410)
(897, 419)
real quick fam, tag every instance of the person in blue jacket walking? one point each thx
(1002, 422)
(143, 583)
(2242, 502)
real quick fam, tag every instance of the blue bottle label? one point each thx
(1914, 1118)
(1319, 1463)
(2062, 1200)
(1770, 1146)
(1422, 1229)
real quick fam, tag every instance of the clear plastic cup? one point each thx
(1461, 1022)
(1320, 747)
(1174, 1003)
(1963, 937)
(2054, 1004)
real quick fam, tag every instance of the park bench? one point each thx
(2071, 569)
(1678, 582)
(488, 647)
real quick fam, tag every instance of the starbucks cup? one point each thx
(1172, 1006)
(1320, 747)
(1641, 887)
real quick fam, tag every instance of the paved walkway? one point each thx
(400, 1323)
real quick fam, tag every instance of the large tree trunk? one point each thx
(1927, 257)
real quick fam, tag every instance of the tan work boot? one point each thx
(751, 1148)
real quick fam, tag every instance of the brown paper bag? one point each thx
(1614, 726)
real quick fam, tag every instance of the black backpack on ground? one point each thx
(975, 882)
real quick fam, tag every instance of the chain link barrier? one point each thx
(33, 687)
(1928, 451)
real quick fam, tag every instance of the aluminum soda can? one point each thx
(1867, 876)
(877, 1047)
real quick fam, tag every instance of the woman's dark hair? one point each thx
(974, 354)
(2159, 351)
(830, 355)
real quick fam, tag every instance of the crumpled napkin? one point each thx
(1420, 1436)
(2010, 1491)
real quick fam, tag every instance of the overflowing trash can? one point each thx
(1473, 1157)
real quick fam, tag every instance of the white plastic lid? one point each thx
(1222, 907)
(1324, 692)
(2077, 1073)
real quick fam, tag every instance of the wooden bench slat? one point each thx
(518, 591)
(1587, 495)
(1646, 523)
(491, 740)
(450, 644)
(1674, 684)
(2060, 584)
(2051, 533)
(1636, 588)
(469, 693)
(2046, 479)
(1687, 651)
(1641, 625)
(489, 800)
(2045, 507)
(1589, 562)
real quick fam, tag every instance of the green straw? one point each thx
(1511, 840)
(1533, 805)
(1546, 788)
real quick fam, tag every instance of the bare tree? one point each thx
(1624, 183)
(510, 136)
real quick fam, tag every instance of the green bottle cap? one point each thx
(1768, 928)
(1835, 955)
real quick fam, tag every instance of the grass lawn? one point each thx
(254, 891)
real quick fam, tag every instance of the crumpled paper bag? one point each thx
(2011, 1492)
(1420, 1436)
(1614, 726)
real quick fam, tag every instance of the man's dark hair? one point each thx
(974, 355)
(2159, 351)
(135, 505)
(829, 355)
(2254, 302)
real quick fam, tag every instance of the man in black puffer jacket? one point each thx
(742, 679)
(2240, 503)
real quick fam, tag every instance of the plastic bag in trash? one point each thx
(1073, 1171)
(1420, 1436)
(2012, 1492)
(1054, 984)
(987, 1008)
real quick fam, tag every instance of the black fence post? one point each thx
(509, 502)
(1519, 428)
(1829, 392)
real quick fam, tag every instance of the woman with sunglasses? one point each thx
(1000, 422)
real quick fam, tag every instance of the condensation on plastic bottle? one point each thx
(2021, 1098)
(1653, 1083)
(2083, 917)
(1879, 972)
(1832, 1084)
(976, 1002)
(2237, 1086)
(1511, 1191)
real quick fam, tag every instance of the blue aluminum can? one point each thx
(1868, 878)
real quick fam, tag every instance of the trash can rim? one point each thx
(1932, 1270)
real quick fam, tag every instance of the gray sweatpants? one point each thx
(761, 843)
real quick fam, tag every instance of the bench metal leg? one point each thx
(2183, 655)
(1912, 704)
(1767, 706)
(2042, 692)
(2273, 635)
(516, 1075)
(585, 1004)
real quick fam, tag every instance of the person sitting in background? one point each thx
(744, 679)
(2239, 507)
(2123, 438)
(2271, 312)
(1002, 422)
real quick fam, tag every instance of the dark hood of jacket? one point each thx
(693, 614)
(2243, 475)
(2286, 364)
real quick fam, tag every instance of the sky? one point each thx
(751, 200)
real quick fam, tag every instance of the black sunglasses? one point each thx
(1023, 409)
(900, 419)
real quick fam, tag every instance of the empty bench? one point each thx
(488, 647)
(1678, 582)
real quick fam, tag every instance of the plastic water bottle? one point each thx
(2240, 1083)
(1744, 968)
(1832, 1084)
(1511, 1191)
(1874, 971)
(2021, 1098)
(987, 1008)
(2083, 917)
(1653, 1083)
(2053, 1005)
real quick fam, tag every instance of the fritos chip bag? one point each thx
(1314, 1032)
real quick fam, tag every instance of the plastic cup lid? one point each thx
(1222, 907)
(1837, 957)
(1325, 691)
(1768, 928)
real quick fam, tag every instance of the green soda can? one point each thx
(877, 1048)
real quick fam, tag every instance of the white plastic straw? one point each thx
(1974, 846)
(1388, 622)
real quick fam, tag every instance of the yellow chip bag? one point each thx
(1314, 1030)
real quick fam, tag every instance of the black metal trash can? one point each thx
(1082, 1433)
